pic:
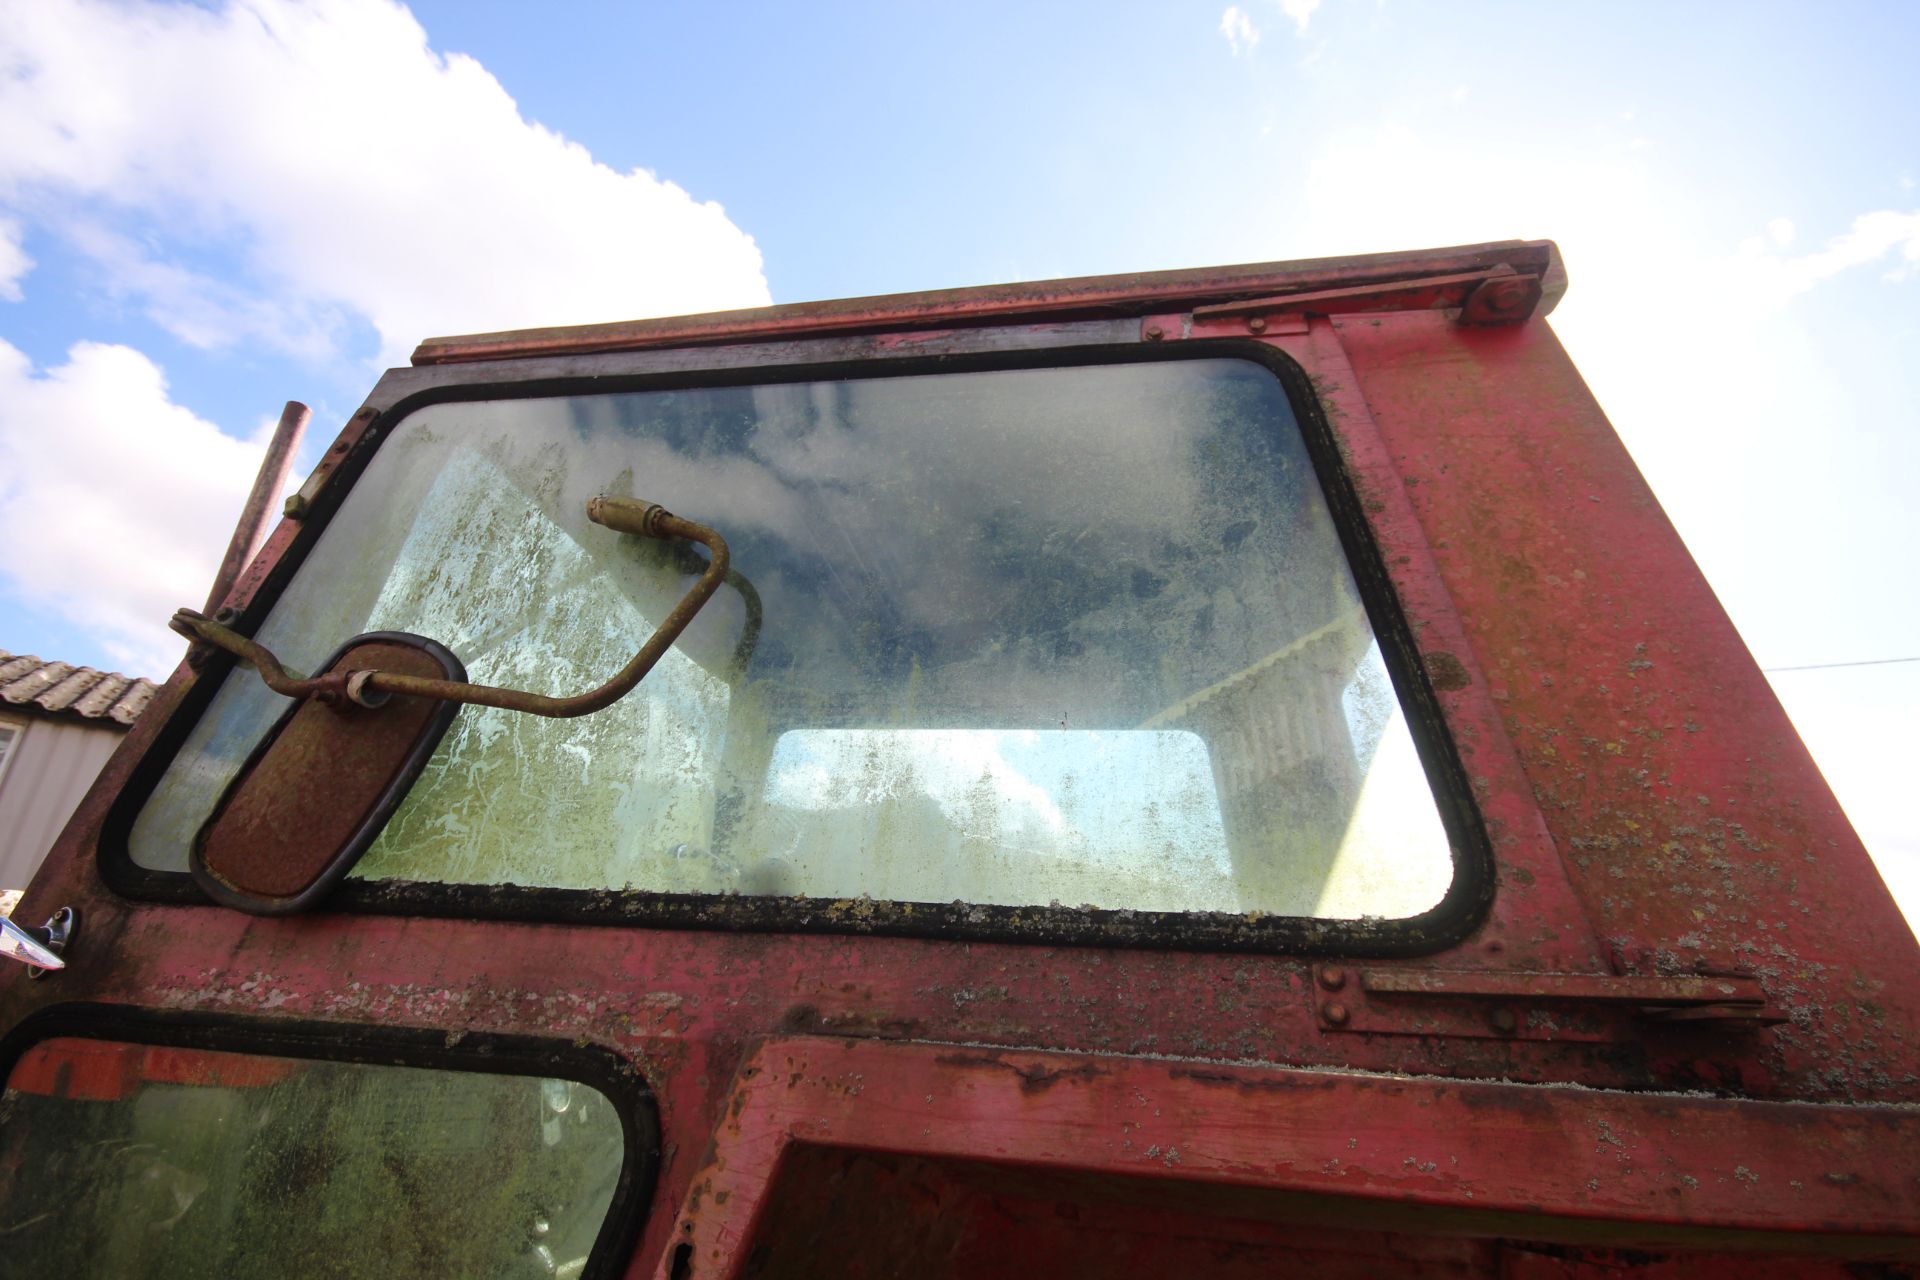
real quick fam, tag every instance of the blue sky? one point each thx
(206, 210)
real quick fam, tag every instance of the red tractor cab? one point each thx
(1219, 772)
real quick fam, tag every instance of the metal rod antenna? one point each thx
(251, 530)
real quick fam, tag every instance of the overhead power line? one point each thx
(1825, 666)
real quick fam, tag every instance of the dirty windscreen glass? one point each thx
(133, 1160)
(1077, 636)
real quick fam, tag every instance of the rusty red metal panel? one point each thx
(106, 1071)
(1535, 922)
(1648, 990)
(1645, 1171)
(1688, 815)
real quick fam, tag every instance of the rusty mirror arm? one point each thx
(370, 688)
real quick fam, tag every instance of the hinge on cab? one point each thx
(1532, 1006)
(1499, 295)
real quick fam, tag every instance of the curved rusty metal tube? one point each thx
(371, 688)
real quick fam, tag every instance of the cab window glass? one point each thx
(1076, 636)
(133, 1160)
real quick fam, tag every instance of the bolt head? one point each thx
(1335, 1013)
(1508, 294)
(295, 508)
(1155, 333)
(1257, 324)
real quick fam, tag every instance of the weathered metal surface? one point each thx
(370, 687)
(316, 791)
(1649, 810)
(1533, 922)
(1052, 299)
(1573, 1165)
(1688, 815)
(840, 1212)
(1596, 1008)
(251, 529)
(1645, 991)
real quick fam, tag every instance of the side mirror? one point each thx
(320, 787)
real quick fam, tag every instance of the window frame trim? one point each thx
(400, 392)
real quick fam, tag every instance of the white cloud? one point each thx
(1239, 30)
(117, 501)
(14, 262)
(1780, 231)
(1301, 11)
(357, 173)
(1769, 279)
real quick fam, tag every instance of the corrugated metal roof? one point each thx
(62, 689)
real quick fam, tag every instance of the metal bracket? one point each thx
(1532, 1006)
(371, 688)
(1498, 295)
(1499, 300)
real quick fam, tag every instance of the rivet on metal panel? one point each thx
(1257, 324)
(1333, 977)
(1504, 1021)
(1335, 1013)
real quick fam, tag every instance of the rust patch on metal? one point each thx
(1034, 1078)
(1445, 671)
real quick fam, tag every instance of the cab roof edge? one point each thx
(1080, 297)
